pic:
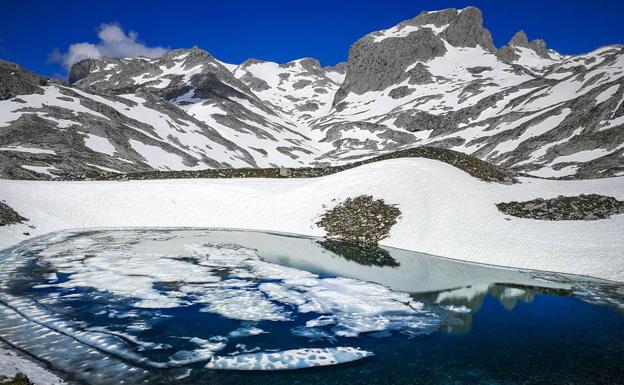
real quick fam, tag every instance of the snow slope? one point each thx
(445, 212)
(12, 362)
(300, 89)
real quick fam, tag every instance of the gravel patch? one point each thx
(582, 207)
(360, 220)
(8, 216)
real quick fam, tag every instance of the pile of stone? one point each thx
(361, 220)
(582, 207)
(8, 216)
(473, 166)
(19, 379)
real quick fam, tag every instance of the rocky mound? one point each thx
(8, 216)
(19, 379)
(15, 81)
(361, 220)
(562, 208)
(473, 166)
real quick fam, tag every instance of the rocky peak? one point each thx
(438, 18)
(189, 57)
(188, 53)
(382, 58)
(15, 80)
(509, 53)
(520, 39)
(173, 70)
(460, 27)
(82, 69)
(377, 64)
(539, 46)
(466, 30)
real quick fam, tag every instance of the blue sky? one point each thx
(280, 31)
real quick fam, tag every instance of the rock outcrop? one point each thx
(15, 81)
(8, 216)
(562, 208)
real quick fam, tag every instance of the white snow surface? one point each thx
(157, 157)
(12, 363)
(445, 212)
(45, 170)
(99, 144)
(28, 150)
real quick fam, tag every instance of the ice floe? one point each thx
(289, 359)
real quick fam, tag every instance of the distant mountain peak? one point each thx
(519, 39)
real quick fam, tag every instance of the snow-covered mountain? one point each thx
(434, 80)
(438, 80)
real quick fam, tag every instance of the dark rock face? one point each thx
(562, 208)
(8, 216)
(507, 54)
(419, 75)
(308, 106)
(422, 121)
(400, 92)
(19, 379)
(254, 83)
(375, 65)
(81, 70)
(466, 30)
(14, 81)
(478, 69)
(360, 220)
(539, 46)
(520, 39)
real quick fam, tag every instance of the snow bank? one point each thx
(444, 212)
(12, 363)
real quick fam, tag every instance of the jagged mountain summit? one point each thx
(435, 80)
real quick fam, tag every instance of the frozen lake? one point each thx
(207, 306)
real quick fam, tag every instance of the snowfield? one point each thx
(445, 212)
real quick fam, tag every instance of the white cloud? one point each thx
(114, 42)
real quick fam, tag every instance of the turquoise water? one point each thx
(163, 306)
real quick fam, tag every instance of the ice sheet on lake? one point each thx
(289, 359)
(133, 277)
(164, 269)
